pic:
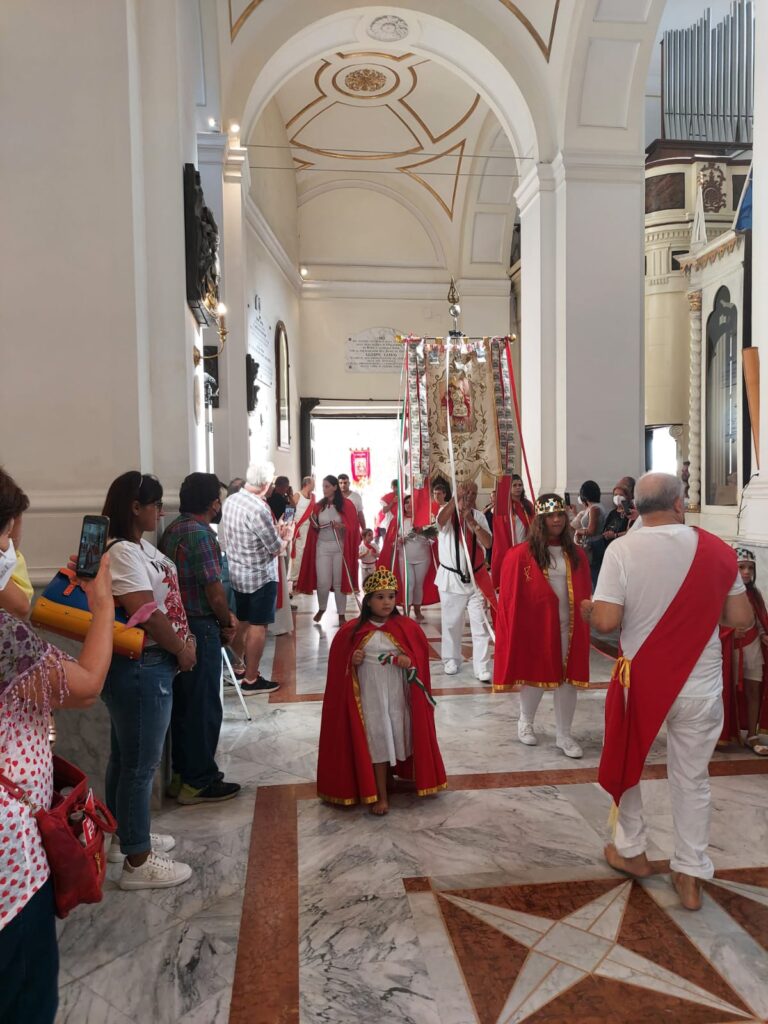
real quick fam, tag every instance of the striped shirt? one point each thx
(253, 542)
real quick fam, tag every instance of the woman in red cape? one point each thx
(391, 558)
(541, 641)
(745, 669)
(512, 517)
(350, 544)
(349, 741)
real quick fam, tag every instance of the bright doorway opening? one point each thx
(334, 438)
(661, 449)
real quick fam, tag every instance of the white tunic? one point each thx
(558, 580)
(386, 708)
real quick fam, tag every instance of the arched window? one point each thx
(721, 464)
(283, 390)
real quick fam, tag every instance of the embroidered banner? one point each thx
(418, 428)
(360, 463)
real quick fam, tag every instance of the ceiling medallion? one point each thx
(388, 28)
(365, 80)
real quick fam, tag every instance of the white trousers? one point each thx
(565, 707)
(452, 608)
(301, 539)
(693, 729)
(328, 565)
(417, 573)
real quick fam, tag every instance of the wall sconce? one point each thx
(219, 313)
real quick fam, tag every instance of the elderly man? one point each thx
(254, 542)
(303, 500)
(668, 587)
(454, 581)
(353, 496)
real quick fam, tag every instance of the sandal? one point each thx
(754, 744)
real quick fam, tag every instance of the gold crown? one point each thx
(382, 579)
(545, 506)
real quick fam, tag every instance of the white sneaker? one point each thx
(157, 872)
(159, 843)
(526, 734)
(484, 677)
(569, 747)
(451, 668)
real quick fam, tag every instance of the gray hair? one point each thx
(657, 492)
(307, 480)
(260, 474)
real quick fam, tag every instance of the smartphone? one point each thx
(567, 497)
(289, 514)
(93, 541)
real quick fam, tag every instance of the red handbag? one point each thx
(73, 836)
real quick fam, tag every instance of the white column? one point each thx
(537, 385)
(600, 356)
(754, 517)
(232, 397)
(694, 404)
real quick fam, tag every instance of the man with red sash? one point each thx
(512, 517)
(667, 586)
(304, 501)
(541, 641)
(454, 580)
(745, 668)
(345, 768)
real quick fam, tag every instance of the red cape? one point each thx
(344, 768)
(387, 560)
(528, 648)
(734, 701)
(643, 690)
(504, 509)
(307, 581)
(304, 517)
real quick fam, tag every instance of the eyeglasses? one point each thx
(157, 504)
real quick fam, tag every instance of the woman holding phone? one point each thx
(139, 694)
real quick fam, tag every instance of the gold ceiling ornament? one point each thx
(365, 80)
(409, 169)
(453, 294)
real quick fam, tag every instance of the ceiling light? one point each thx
(303, 271)
(212, 122)
(234, 128)
(221, 309)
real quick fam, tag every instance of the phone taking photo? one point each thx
(289, 514)
(567, 497)
(93, 542)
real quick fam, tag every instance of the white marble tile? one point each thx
(97, 933)
(388, 992)
(540, 988)
(447, 982)
(214, 877)
(78, 1004)
(213, 1011)
(168, 977)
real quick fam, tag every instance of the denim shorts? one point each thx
(259, 607)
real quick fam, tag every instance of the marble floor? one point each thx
(490, 904)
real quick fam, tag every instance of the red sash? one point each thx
(304, 517)
(643, 690)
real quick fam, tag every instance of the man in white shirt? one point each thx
(666, 585)
(454, 581)
(353, 496)
(254, 542)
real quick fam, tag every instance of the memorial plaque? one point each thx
(374, 350)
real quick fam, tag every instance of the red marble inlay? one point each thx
(417, 885)
(550, 899)
(489, 961)
(751, 915)
(647, 931)
(604, 1001)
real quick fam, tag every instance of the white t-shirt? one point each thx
(142, 567)
(449, 581)
(356, 500)
(643, 571)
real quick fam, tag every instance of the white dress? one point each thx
(386, 708)
(558, 580)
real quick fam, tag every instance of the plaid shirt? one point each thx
(193, 546)
(253, 542)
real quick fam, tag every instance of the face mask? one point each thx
(618, 500)
(7, 564)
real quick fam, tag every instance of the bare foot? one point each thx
(380, 807)
(688, 888)
(635, 867)
(318, 615)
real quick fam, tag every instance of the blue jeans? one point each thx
(29, 963)
(197, 710)
(139, 697)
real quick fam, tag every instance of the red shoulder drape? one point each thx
(388, 560)
(344, 768)
(307, 580)
(504, 509)
(528, 646)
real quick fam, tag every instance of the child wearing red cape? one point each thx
(378, 712)
(745, 668)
